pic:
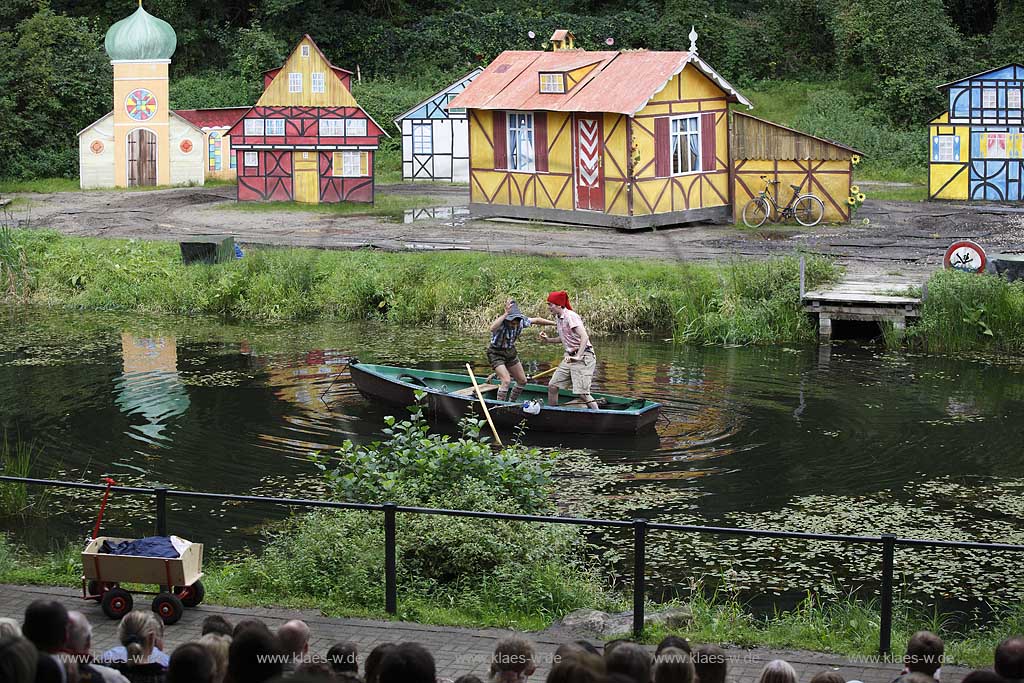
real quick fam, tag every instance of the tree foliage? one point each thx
(889, 54)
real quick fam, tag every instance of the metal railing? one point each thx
(640, 527)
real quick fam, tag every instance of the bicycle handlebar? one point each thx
(770, 182)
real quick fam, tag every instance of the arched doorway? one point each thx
(141, 158)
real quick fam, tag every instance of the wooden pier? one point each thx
(872, 300)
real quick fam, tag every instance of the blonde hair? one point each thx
(512, 661)
(138, 632)
(217, 645)
(9, 627)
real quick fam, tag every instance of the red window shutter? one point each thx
(662, 148)
(540, 141)
(500, 140)
(708, 145)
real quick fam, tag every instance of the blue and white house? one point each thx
(435, 140)
(977, 146)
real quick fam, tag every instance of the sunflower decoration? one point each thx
(854, 190)
(855, 159)
(851, 200)
(855, 199)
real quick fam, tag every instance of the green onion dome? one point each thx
(141, 36)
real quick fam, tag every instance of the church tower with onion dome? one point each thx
(140, 48)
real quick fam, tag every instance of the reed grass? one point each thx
(743, 302)
(964, 312)
(17, 459)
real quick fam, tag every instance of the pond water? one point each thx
(847, 439)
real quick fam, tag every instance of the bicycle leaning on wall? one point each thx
(806, 208)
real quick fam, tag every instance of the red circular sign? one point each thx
(96, 147)
(965, 255)
(186, 145)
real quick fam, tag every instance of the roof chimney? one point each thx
(562, 39)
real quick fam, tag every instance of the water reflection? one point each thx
(150, 387)
(449, 215)
(855, 441)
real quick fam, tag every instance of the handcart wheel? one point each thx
(116, 603)
(168, 607)
(192, 595)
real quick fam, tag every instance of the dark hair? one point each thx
(247, 660)
(631, 660)
(407, 663)
(673, 665)
(342, 657)
(215, 623)
(588, 646)
(314, 670)
(249, 623)
(46, 624)
(924, 653)
(828, 677)
(709, 663)
(18, 658)
(1010, 658)
(371, 666)
(983, 677)
(614, 643)
(468, 678)
(673, 641)
(578, 666)
(191, 663)
(513, 654)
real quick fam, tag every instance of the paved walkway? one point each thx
(457, 651)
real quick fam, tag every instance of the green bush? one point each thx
(968, 312)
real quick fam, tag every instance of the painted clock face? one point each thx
(140, 104)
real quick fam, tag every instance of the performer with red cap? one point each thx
(576, 370)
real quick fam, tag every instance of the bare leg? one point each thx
(519, 375)
(552, 395)
(502, 372)
(591, 403)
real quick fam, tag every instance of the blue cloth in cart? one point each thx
(151, 546)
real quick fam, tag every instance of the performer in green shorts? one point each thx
(501, 352)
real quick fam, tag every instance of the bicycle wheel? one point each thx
(808, 210)
(756, 212)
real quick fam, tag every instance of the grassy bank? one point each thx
(845, 625)
(963, 312)
(741, 302)
(390, 205)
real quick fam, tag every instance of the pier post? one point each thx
(824, 328)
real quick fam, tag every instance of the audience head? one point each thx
(9, 627)
(709, 663)
(576, 665)
(218, 646)
(294, 637)
(46, 625)
(1010, 658)
(18, 658)
(588, 646)
(512, 661)
(828, 677)
(313, 671)
(777, 671)
(343, 657)
(79, 641)
(468, 678)
(372, 665)
(673, 641)
(610, 646)
(407, 663)
(254, 656)
(674, 665)
(247, 623)
(191, 663)
(630, 660)
(983, 677)
(215, 623)
(140, 631)
(924, 653)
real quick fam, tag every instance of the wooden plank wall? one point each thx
(752, 138)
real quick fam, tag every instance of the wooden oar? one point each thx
(546, 372)
(483, 404)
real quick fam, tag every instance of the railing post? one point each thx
(639, 580)
(803, 271)
(161, 511)
(885, 627)
(390, 564)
